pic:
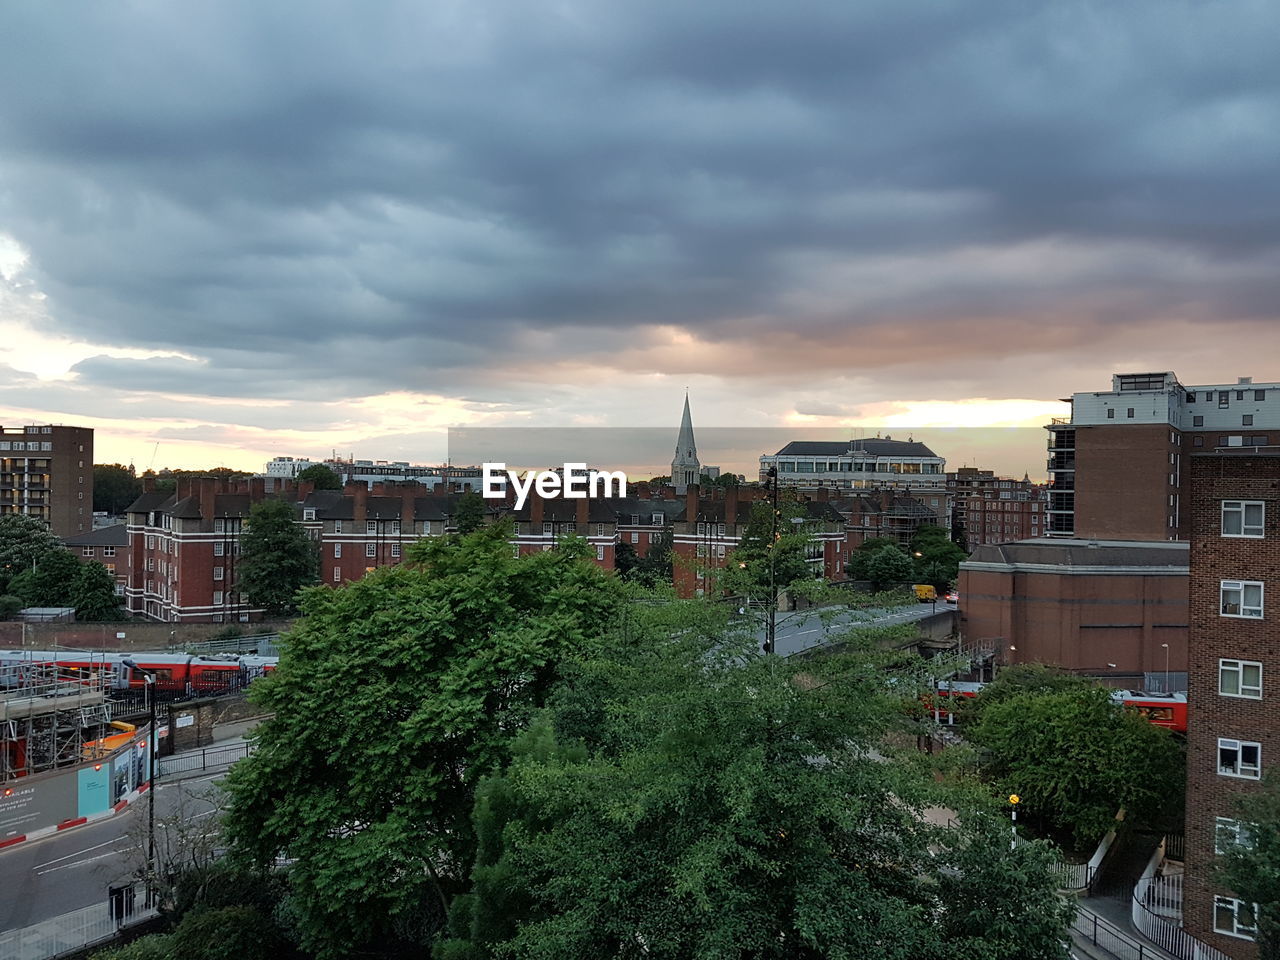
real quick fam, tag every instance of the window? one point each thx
(219, 525)
(86, 551)
(546, 529)
(635, 538)
(1197, 421)
(1224, 399)
(599, 529)
(1259, 395)
(1234, 918)
(656, 520)
(151, 563)
(395, 549)
(111, 551)
(1111, 413)
(309, 513)
(395, 526)
(1208, 395)
(151, 543)
(337, 526)
(1130, 413)
(1239, 758)
(1197, 441)
(337, 574)
(217, 598)
(1246, 420)
(1241, 598)
(600, 551)
(371, 526)
(219, 549)
(1240, 678)
(1191, 397)
(1239, 394)
(337, 551)
(370, 549)
(219, 572)
(1231, 833)
(1243, 518)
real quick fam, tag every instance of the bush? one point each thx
(229, 933)
(157, 946)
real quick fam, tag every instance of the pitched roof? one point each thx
(116, 535)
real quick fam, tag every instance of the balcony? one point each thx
(1058, 464)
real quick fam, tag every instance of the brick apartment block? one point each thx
(1233, 730)
(46, 471)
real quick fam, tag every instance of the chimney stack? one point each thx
(691, 503)
(360, 508)
(731, 504)
(582, 516)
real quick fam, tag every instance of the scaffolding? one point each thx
(48, 714)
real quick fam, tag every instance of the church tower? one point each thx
(685, 468)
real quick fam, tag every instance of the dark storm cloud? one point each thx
(326, 199)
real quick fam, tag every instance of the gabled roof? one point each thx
(149, 501)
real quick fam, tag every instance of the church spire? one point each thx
(685, 468)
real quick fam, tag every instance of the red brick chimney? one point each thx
(731, 505)
(148, 484)
(360, 506)
(304, 489)
(408, 497)
(582, 516)
(886, 499)
(691, 503)
(535, 512)
(207, 491)
(642, 490)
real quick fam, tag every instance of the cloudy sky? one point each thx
(244, 229)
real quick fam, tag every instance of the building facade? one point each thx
(879, 463)
(108, 546)
(1233, 731)
(1116, 463)
(1098, 607)
(990, 509)
(46, 471)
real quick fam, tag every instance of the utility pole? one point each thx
(771, 633)
(153, 746)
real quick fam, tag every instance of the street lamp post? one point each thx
(153, 746)
(1014, 800)
(1167, 689)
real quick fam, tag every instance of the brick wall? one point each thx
(1122, 481)
(1215, 478)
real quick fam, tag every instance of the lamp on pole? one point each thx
(1166, 668)
(153, 746)
(1014, 800)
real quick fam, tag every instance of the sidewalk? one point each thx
(1118, 914)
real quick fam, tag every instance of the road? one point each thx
(804, 629)
(63, 872)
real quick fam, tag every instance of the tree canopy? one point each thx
(50, 581)
(470, 512)
(396, 695)
(323, 476)
(771, 553)
(277, 558)
(93, 594)
(24, 541)
(1076, 758)
(685, 800)
(937, 558)
(115, 486)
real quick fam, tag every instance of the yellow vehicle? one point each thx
(926, 592)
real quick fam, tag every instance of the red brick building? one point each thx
(1100, 607)
(1116, 463)
(108, 546)
(46, 471)
(1233, 731)
(991, 509)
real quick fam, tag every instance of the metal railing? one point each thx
(95, 924)
(1111, 939)
(1161, 930)
(202, 761)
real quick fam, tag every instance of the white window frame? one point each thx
(1228, 834)
(111, 551)
(1243, 610)
(337, 526)
(371, 526)
(395, 549)
(1237, 668)
(1242, 931)
(308, 513)
(337, 574)
(1239, 510)
(1239, 770)
(86, 551)
(635, 538)
(395, 526)
(217, 598)
(600, 551)
(219, 573)
(219, 549)
(337, 551)
(370, 549)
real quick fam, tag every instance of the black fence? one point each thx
(202, 761)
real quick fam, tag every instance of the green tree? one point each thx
(888, 566)
(655, 567)
(9, 606)
(470, 512)
(861, 556)
(93, 594)
(771, 553)
(324, 477)
(51, 582)
(228, 933)
(115, 486)
(625, 559)
(937, 558)
(277, 558)
(395, 696)
(1026, 679)
(24, 541)
(1076, 758)
(687, 799)
(1250, 862)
